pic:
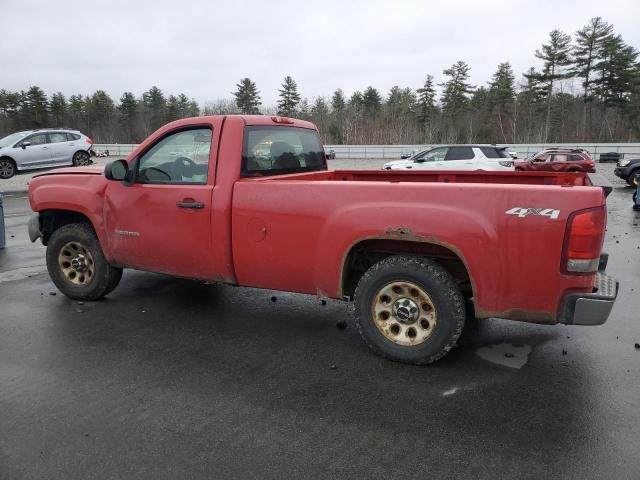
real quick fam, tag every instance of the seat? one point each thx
(283, 156)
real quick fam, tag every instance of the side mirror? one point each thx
(24, 145)
(116, 170)
(420, 160)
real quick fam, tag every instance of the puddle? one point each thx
(510, 355)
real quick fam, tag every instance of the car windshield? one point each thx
(11, 139)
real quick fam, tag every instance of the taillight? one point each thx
(89, 141)
(583, 241)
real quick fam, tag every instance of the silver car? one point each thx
(43, 148)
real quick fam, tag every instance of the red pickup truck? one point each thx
(248, 200)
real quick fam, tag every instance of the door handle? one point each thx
(190, 203)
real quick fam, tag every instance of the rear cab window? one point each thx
(280, 150)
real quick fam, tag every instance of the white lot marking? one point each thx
(21, 273)
(506, 354)
(451, 391)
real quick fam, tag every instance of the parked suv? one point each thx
(558, 160)
(43, 148)
(456, 157)
(629, 170)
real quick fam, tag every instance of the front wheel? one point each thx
(7, 168)
(77, 265)
(409, 309)
(634, 179)
(81, 159)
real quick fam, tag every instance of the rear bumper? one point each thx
(590, 308)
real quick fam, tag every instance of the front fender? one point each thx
(81, 194)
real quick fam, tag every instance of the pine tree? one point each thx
(338, 102)
(58, 109)
(426, 107)
(456, 89)
(371, 100)
(128, 109)
(289, 98)
(156, 107)
(173, 108)
(77, 112)
(556, 56)
(587, 53)
(502, 86)
(34, 108)
(247, 97)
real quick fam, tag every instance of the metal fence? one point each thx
(393, 152)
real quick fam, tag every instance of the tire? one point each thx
(400, 294)
(518, 169)
(634, 178)
(7, 168)
(81, 158)
(77, 265)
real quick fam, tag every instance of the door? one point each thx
(34, 152)
(60, 148)
(460, 158)
(431, 159)
(559, 162)
(162, 222)
(540, 163)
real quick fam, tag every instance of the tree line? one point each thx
(587, 90)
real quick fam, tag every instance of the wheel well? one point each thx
(52, 220)
(368, 252)
(7, 157)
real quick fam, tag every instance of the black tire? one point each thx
(81, 158)
(634, 178)
(447, 306)
(7, 168)
(104, 277)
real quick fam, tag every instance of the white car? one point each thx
(43, 148)
(457, 157)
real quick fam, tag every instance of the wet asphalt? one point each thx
(169, 378)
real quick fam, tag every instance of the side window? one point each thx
(73, 136)
(541, 158)
(460, 153)
(181, 157)
(38, 139)
(575, 158)
(559, 158)
(491, 152)
(435, 155)
(57, 137)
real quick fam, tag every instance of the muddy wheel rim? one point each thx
(404, 313)
(635, 180)
(82, 159)
(76, 264)
(6, 169)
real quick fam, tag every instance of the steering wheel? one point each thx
(181, 164)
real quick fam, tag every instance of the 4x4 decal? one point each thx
(523, 212)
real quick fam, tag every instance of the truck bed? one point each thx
(393, 176)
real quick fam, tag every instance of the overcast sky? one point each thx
(202, 48)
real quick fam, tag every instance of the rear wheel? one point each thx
(634, 179)
(409, 309)
(7, 168)
(77, 265)
(81, 158)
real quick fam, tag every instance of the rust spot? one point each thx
(403, 232)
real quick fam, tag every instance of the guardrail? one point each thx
(393, 152)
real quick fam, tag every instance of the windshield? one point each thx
(280, 150)
(11, 139)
